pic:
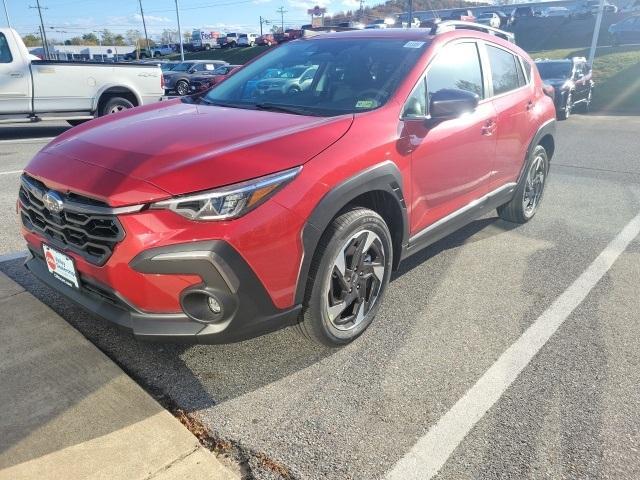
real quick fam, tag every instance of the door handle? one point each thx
(489, 128)
(529, 105)
(16, 74)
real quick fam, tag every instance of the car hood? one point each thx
(180, 148)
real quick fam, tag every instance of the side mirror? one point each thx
(451, 103)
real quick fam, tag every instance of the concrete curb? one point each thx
(69, 412)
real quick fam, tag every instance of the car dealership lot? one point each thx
(450, 313)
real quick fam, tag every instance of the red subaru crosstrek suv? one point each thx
(217, 217)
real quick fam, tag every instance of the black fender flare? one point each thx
(547, 128)
(384, 176)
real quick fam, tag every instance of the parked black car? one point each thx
(178, 79)
(572, 81)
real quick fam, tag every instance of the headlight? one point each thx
(228, 202)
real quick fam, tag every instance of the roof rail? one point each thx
(448, 25)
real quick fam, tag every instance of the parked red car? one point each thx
(267, 39)
(205, 82)
(218, 217)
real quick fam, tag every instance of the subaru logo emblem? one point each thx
(53, 201)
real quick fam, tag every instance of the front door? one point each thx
(450, 161)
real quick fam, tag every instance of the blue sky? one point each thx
(72, 17)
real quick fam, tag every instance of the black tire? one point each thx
(114, 105)
(182, 87)
(565, 112)
(586, 105)
(75, 123)
(316, 323)
(515, 210)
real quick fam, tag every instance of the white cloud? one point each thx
(307, 4)
(351, 4)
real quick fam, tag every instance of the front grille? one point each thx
(93, 236)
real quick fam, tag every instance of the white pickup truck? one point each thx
(33, 90)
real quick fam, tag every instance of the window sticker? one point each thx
(413, 44)
(366, 104)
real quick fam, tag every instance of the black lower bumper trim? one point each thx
(253, 313)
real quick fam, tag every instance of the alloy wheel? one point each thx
(117, 108)
(182, 88)
(534, 186)
(356, 279)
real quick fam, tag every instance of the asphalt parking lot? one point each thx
(293, 410)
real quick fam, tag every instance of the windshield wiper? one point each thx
(274, 107)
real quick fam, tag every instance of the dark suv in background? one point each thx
(572, 82)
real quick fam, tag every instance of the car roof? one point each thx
(416, 34)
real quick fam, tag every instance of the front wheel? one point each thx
(528, 195)
(348, 277)
(565, 112)
(182, 88)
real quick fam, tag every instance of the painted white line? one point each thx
(11, 172)
(28, 140)
(7, 257)
(432, 450)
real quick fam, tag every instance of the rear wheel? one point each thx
(348, 278)
(528, 195)
(115, 105)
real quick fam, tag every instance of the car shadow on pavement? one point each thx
(22, 132)
(172, 372)
(475, 231)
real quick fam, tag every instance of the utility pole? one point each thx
(410, 13)
(281, 11)
(144, 25)
(180, 33)
(263, 21)
(6, 13)
(45, 44)
(596, 32)
(361, 15)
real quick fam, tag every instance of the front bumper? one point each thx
(247, 309)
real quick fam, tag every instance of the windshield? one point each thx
(181, 67)
(554, 69)
(321, 77)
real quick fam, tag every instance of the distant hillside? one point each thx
(390, 8)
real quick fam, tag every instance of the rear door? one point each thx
(513, 98)
(15, 81)
(450, 161)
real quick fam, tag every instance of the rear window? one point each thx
(505, 75)
(5, 51)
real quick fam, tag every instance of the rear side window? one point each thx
(456, 66)
(5, 52)
(527, 70)
(504, 70)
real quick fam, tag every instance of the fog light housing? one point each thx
(214, 305)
